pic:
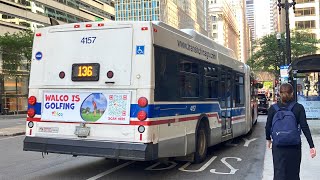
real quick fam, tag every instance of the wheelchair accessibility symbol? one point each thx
(140, 50)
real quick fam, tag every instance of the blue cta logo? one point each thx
(38, 56)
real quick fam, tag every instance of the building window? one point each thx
(214, 35)
(214, 18)
(214, 26)
(309, 11)
(305, 24)
(304, 1)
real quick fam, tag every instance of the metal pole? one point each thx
(287, 6)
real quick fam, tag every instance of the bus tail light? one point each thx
(31, 112)
(38, 34)
(142, 102)
(88, 25)
(142, 115)
(76, 26)
(32, 100)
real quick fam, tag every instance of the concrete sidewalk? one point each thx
(13, 131)
(13, 116)
(309, 169)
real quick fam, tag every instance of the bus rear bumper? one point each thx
(113, 150)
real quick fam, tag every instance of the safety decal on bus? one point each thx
(38, 56)
(140, 50)
(89, 107)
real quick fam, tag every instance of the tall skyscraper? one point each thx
(274, 16)
(239, 8)
(16, 15)
(180, 14)
(250, 13)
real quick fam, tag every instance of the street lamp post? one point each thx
(281, 48)
(286, 5)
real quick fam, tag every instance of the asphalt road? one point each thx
(241, 159)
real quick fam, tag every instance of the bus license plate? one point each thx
(82, 131)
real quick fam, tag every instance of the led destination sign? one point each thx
(85, 72)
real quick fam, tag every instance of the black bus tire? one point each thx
(201, 144)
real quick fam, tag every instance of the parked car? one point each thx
(263, 105)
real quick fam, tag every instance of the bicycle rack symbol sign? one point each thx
(140, 50)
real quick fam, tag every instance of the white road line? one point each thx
(10, 137)
(111, 170)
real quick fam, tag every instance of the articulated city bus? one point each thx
(134, 90)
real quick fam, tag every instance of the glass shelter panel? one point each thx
(308, 93)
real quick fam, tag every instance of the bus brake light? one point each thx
(31, 112)
(76, 26)
(142, 115)
(32, 100)
(142, 102)
(100, 24)
(88, 25)
(38, 34)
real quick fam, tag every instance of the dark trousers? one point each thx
(286, 162)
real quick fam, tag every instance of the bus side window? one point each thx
(165, 75)
(189, 79)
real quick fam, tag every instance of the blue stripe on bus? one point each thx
(164, 110)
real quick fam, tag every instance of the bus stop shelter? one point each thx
(305, 73)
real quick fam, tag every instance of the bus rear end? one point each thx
(83, 98)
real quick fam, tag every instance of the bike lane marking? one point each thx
(199, 170)
(111, 170)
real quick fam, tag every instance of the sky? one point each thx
(262, 16)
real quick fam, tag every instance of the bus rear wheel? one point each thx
(201, 144)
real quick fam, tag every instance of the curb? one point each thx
(13, 134)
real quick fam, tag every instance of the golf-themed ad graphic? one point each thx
(87, 107)
(93, 107)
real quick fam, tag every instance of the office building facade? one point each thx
(306, 17)
(223, 26)
(18, 15)
(181, 14)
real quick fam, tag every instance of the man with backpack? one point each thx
(285, 121)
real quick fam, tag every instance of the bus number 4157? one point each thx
(88, 40)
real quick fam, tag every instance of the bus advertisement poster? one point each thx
(89, 107)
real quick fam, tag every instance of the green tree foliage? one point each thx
(16, 48)
(269, 53)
